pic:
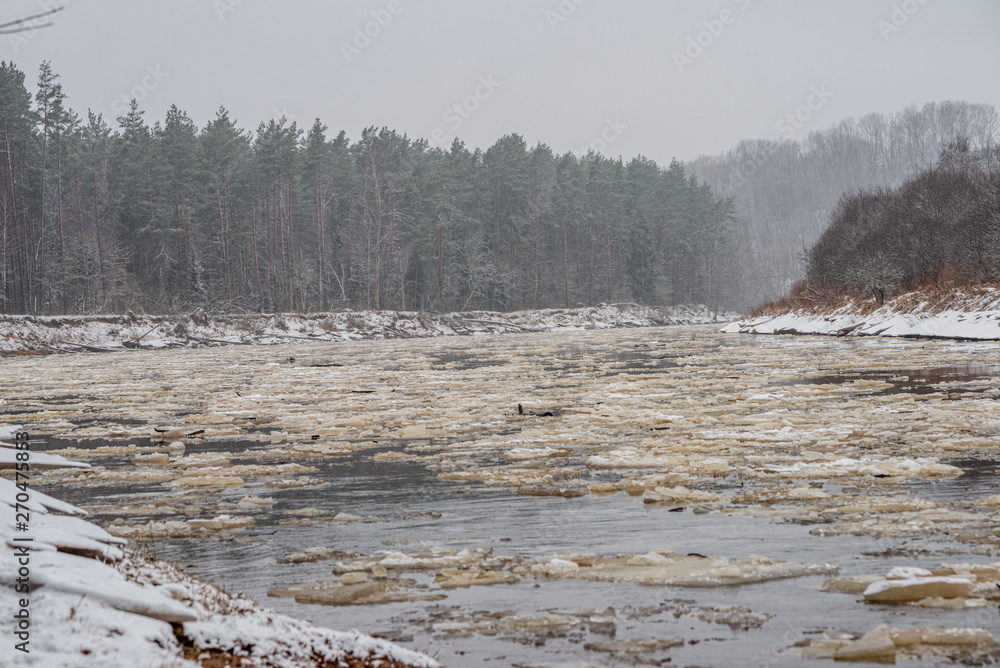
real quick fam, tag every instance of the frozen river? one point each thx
(473, 493)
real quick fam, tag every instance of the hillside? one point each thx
(917, 260)
(786, 190)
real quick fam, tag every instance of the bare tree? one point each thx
(27, 23)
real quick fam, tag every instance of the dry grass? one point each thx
(933, 296)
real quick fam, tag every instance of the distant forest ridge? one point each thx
(785, 191)
(168, 217)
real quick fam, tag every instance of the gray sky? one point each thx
(660, 78)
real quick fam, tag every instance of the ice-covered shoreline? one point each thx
(22, 334)
(93, 601)
(974, 317)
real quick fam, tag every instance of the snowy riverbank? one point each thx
(76, 595)
(22, 334)
(970, 316)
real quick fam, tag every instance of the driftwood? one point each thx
(222, 341)
(93, 349)
(406, 334)
(497, 324)
(302, 338)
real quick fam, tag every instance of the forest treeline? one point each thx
(939, 228)
(785, 191)
(96, 217)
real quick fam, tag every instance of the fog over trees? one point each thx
(105, 216)
(786, 191)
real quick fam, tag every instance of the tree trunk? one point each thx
(253, 242)
(83, 246)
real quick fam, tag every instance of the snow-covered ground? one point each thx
(94, 602)
(96, 333)
(971, 317)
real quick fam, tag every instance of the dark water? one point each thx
(401, 500)
(954, 381)
(407, 508)
(980, 478)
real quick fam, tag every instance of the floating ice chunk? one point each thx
(629, 458)
(679, 495)
(423, 560)
(978, 572)
(875, 504)
(710, 464)
(528, 454)
(855, 585)
(931, 635)
(555, 568)
(939, 603)
(874, 645)
(914, 589)
(208, 481)
(304, 481)
(766, 396)
(194, 528)
(358, 593)
(306, 512)
(152, 458)
(601, 488)
(454, 578)
(907, 573)
(637, 486)
(222, 522)
(312, 554)
(392, 456)
(883, 645)
(731, 616)
(648, 559)
(664, 567)
(634, 646)
(253, 503)
(801, 492)
(890, 467)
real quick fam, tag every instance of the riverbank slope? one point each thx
(46, 334)
(967, 313)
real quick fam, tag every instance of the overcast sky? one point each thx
(661, 78)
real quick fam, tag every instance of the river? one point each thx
(500, 453)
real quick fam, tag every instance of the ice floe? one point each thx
(94, 605)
